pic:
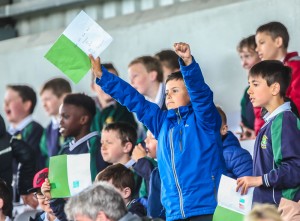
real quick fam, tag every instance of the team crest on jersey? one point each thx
(109, 120)
(263, 143)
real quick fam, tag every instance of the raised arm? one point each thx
(200, 94)
(147, 112)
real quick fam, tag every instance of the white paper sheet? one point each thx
(79, 175)
(230, 199)
(88, 35)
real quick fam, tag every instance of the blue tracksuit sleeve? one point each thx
(147, 112)
(201, 96)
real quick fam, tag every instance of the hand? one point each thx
(247, 133)
(30, 200)
(138, 152)
(45, 189)
(248, 181)
(183, 51)
(96, 66)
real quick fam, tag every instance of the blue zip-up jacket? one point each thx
(238, 160)
(189, 151)
(277, 159)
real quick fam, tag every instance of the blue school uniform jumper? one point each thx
(277, 157)
(189, 150)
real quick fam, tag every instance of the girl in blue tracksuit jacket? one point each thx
(189, 150)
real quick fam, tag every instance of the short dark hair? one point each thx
(151, 64)
(275, 29)
(6, 196)
(273, 71)
(248, 42)
(59, 87)
(26, 93)
(120, 176)
(126, 132)
(175, 76)
(82, 100)
(168, 58)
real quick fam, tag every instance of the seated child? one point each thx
(276, 158)
(189, 156)
(238, 160)
(122, 179)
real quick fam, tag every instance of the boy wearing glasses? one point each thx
(44, 203)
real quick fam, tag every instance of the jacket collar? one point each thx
(180, 112)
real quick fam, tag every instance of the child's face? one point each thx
(151, 145)
(176, 94)
(260, 93)
(44, 203)
(267, 48)
(51, 102)
(112, 149)
(70, 120)
(248, 58)
(15, 108)
(140, 79)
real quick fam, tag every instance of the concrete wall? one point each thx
(213, 30)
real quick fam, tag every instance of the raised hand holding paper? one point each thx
(69, 174)
(70, 52)
(231, 204)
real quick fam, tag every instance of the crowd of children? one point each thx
(175, 173)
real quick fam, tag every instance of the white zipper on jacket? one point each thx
(175, 174)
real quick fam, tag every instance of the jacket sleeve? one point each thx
(201, 96)
(25, 156)
(147, 112)
(285, 132)
(143, 167)
(241, 163)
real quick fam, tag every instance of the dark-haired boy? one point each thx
(52, 95)
(122, 178)
(189, 156)
(76, 115)
(19, 104)
(272, 41)
(276, 159)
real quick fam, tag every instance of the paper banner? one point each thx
(70, 52)
(69, 174)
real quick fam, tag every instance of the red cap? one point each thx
(38, 180)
